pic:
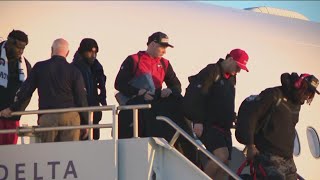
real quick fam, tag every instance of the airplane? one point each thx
(200, 33)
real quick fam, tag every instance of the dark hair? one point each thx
(294, 77)
(304, 90)
(227, 56)
(18, 35)
(87, 44)
(298, 93)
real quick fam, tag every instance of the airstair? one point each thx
(124, 159)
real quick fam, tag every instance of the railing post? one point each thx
(90, 122)
(135, 123)
(115, 140)
(174, 138)
(115, 124)
(22, 138)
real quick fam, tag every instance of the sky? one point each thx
(310, 9)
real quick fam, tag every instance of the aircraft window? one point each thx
(313, 141)
(297, 147)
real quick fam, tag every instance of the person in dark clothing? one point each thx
(213, 115)
(60, 85)
(14, 69)
(155, 70)
(94, 78)
(273, 145)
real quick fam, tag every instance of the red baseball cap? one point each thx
(241, 57)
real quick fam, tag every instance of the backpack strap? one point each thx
(217, 78)
(212, 80)
(136, 65)
(219, 75)
(278, 98)
(242, 166)
(163, 65)
(277, 101)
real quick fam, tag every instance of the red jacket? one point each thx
(132, 67)
(147, 64)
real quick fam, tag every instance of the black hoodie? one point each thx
(94, 79)
(211, 96)
(279, 134)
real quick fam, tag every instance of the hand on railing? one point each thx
(198, 129)
(84, 133)
(6, 113)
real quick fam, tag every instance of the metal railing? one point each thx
(90, 125)
(35, 129)
(201, 148)
(114, 126)
(134, 109)
(90, 110)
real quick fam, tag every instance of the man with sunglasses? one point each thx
(14, 69)
(272, 146)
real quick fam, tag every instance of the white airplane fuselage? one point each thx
(200, 33)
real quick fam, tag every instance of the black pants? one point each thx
(150, 127)
(276, 167)
(97, 116)
(214, 138)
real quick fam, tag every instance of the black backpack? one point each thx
(194, 99)
(248, 106)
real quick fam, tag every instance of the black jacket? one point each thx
(279, 133)
(60, 85)
(94, 79)
(7, 94)
(213, 103)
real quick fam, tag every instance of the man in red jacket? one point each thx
(150, 68)
(149, 62)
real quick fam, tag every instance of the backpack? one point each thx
(246, 108)
(194, 99)
(254, 167)
(137, 57)
(121, 98)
